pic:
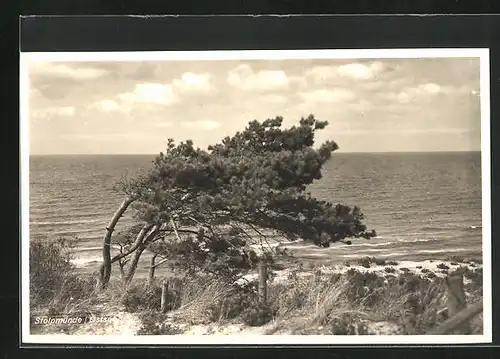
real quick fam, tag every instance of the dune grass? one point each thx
(354, 302)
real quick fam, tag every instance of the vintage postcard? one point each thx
(256, 197)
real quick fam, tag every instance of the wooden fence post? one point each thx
(262, 281)
(164, 295)
(456, 299)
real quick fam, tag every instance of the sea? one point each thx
(422, 205)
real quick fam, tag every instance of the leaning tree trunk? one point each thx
(134, 262)
(105, 272)
(137, 254)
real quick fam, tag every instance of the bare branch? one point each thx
(160, 262)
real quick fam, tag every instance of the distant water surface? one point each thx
(422, 205)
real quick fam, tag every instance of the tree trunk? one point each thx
(152, 267)
(122, 271)
(137, 254)
(134, 262)
(105, 271)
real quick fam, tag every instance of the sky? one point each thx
(372, 105)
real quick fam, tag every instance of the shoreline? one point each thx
(427, 259)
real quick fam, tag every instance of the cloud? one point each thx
(150, 93)
(328, 96)
(163, 124)
(107, 137)
(361, 71)
(53, 111)
(193, 83)
(411, 93)
(273, 98)
(431, 88)
(403, 97)
(356, 71)
(322, 72)
(246, 79)
(202, 124)
(158, 93)
(360, 106)
(410, 131)
(74, 72)
(110, 106)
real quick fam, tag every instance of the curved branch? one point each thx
(160, 262)
(135, 245)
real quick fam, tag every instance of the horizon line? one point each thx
(343, 152)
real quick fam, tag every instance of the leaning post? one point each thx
(456, 300)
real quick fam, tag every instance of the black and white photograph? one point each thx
(249, 197)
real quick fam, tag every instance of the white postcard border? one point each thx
(482, 53)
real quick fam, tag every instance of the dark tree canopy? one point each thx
(255, 180)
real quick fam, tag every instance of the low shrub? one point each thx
(391, 279)
(142, 297)
(365, 262)
(457, 259)
(389, 270)
(379, 261)
(258, 314)
(49, 265)
(392, 263)
(291, 296)
(461, 270)
(476, 278)
(359, 284)
(154, 323)
(334, 277)
(442, 266)
(231, 306)
(412, 282)
(277, 266)
(76, 293)
(347, 324)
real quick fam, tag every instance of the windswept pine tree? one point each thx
(207, 209)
